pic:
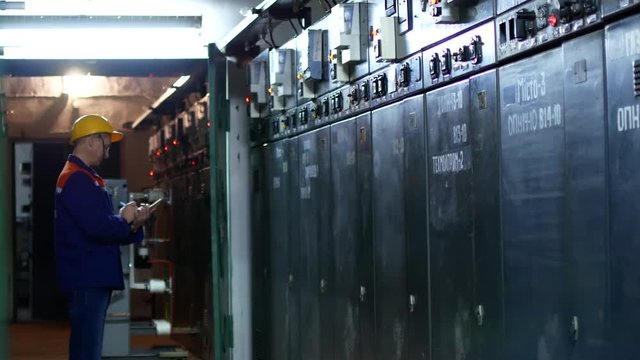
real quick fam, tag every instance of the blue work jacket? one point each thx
(88, 234)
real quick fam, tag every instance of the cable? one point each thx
(294, 28)
(266, 42)
(271, 33)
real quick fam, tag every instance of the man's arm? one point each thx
(86, 203)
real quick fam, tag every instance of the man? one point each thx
(88, 235)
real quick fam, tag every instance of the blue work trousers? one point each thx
(87, 312)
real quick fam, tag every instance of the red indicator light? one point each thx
(247, 99)
(158, 153)
(166, 148)
(208, 123)
(193, 162)
(151, 173)
(553, 20)
(175, 142)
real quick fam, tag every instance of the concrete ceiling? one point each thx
(45, 107)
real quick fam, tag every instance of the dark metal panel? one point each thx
(345, 239)
(450, 220)
(278, 248)
(365, 237)
(533, 169)
(623, 62)
(488, 311)
(415, 194)
(293, 289)
(586, 222)
(192, 260)
(325, 246)
(202, 303)
(259, 253)
(614, 7)
(391, 300)
(310, 343)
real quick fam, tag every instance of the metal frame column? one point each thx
(218, 116)
(4, 221)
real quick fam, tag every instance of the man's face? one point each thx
(102, 150)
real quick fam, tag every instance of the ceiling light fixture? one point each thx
(11, 5)
(178, 83)
(181, 81)
(103, 43)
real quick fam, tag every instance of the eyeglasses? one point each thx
(105, 147)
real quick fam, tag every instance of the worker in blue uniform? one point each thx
(88, 235)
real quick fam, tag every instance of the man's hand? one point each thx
(142, 214)
(128, 212)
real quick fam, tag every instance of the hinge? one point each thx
(636, 77)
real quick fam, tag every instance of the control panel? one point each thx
(386, 40)
(330, 107)
(539, 22)
(304, 118)
(289, 122)
(338, 103)
(311, 62)
(445, 12)
(181, 142)
(353, 32)
(358, 96)
(314, 113)
(382, 86)
(611, 7)
(259, 130)
(155, 150)
(258, 100)
(281, 79)
(409, 76)
(464, 54)
(274, 126)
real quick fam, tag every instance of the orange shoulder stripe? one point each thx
(69, 169)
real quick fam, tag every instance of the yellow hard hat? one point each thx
(93, 124)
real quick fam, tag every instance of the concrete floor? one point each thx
(49, 341)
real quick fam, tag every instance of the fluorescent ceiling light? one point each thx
(112, 7)
(93, 21)
(163, 97)
(181, 80)
(78, 85)
(11, 5)
(141, 118)
(157, 103)
(102, 43)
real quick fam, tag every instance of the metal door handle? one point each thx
(290, 279)
(575, 329)
(363, 292)
(480, 315)
(323, 284)
(412, 303)
(118, 315)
